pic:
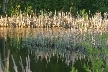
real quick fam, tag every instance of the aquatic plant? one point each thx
(59, 19)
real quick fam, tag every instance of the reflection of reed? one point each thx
(47, 62)
(16, 32)
(15, 67)
(69, 56)
(53, 38)
(24, 69)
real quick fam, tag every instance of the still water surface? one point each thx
(42, 59)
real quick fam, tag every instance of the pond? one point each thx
(42, 50)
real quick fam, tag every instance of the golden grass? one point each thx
(59, 19)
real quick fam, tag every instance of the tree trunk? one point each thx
(4, 8)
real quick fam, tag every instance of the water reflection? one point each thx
(49, 48)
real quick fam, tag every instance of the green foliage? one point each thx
(97, 63)
(98, 58)
(74, 70)
(106, 67)
(51, 5)
(84, 14)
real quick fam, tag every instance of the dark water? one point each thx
(11, 39)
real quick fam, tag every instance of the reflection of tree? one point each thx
(3, 56)
(0, 65)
